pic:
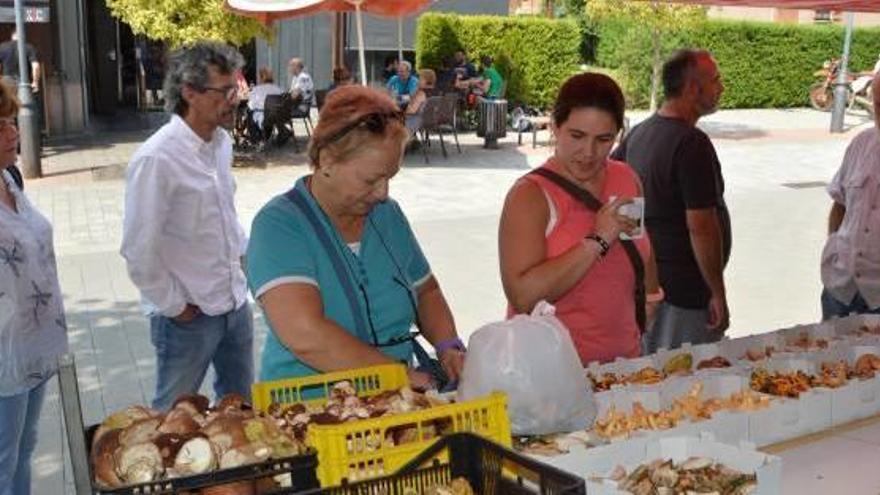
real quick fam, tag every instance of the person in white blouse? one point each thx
(258, 94)
(182, 240)
(33, 330)
(851, 258)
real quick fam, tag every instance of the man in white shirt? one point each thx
(851, 258)
(181, 238)
(301, 86)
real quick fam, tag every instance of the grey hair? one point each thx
(404, 63)
(189, 66)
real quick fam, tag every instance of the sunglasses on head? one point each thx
(373, 122)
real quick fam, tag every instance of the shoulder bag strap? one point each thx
(296, 197)
(632, 252)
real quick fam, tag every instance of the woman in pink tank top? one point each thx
(553, 248)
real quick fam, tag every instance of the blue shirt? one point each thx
(385, 273)
(410, 87)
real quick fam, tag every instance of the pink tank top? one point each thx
(599, 310)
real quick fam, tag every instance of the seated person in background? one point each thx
(302, 88)
(403, 86)
(341, 77)
(427, 80)
(257, 100)
(491, 83)
(390, 69)
(465, 71)
(446, 75)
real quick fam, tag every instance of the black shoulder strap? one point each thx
(296, 197)
(16, 176)
(632, 252)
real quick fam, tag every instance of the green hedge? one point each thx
(534, 55)
(763, 65)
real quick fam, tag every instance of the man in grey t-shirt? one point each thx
(685, 213)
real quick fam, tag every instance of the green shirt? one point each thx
(387, 264)
(497, 82)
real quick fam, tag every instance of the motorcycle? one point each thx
(858, 90)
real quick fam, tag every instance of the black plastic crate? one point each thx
(489, 468)
(301, 468)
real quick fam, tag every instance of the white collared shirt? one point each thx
(851, 258)
(181, 237)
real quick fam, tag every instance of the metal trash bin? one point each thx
(491, 121)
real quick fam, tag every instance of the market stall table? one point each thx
(844, 459)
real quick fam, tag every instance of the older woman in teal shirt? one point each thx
(334, 262)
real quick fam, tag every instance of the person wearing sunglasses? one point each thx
(33, 332)
(181, 239)
(334, 262)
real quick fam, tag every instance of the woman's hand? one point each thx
(610, 224)
(452, 361)
(419, 380)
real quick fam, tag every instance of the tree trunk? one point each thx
(656, 45)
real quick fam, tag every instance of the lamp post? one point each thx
(841, 86)
(28, 126)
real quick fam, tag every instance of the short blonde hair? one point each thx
(429, 77)
(266, 75)
(9, 103)
(343, 125)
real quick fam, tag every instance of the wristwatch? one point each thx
(447, 344)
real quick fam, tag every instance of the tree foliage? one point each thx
(534, 54)
(659, 18)
(179, 22)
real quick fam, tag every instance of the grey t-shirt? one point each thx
(680, 170)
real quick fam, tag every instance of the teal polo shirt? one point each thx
(385, 272)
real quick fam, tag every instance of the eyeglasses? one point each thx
(228, 92)
(373, 122)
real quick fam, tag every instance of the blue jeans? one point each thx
(831, 307)
(185, 350)
(19, 415)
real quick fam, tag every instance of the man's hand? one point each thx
(452, 361)
(719, 315)
(35, 87)
(189, 313)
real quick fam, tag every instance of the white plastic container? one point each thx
(744, 457)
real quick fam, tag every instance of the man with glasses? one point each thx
(182, 240)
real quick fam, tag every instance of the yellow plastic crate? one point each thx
(358, 450)
(367, 381)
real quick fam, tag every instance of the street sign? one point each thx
(32, 15)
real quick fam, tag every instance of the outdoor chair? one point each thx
(276, 119)
(297, 114)
(449, 117)
(432, 121)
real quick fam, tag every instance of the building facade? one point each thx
(310, 38)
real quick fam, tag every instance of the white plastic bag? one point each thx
(533, 360)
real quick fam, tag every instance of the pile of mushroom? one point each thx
(344, 406)
(138, 444)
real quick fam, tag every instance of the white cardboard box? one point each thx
(767, 468)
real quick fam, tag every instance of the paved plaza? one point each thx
(776, 163)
